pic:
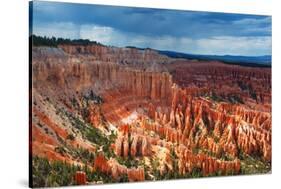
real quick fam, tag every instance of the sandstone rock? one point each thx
(80, 178)
(135, 145)
(117, 170)
(100, 163)
(207, 164)
(136, 174)
(179, 107)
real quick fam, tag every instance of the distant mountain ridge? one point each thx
(232, 59)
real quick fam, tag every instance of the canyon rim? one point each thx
(123, 94)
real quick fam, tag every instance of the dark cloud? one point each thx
(153, 22)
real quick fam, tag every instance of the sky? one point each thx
(182, 31)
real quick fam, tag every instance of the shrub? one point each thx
(70, 137)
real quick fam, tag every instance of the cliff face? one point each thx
(100, 76)
(117, 55)
(222, 81)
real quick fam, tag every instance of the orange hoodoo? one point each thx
(124, 129)
(101, 164)
(136, 174)
(80, 178)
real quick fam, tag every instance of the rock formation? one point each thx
(117, 55)
(188, 161)
(80, 178)
(79, 77)
(171, 116)
(136, 174)
(113, 168)
(131, 144)
(101, 164)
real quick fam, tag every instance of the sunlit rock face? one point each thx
(116, 170)
(188, 161)
(82, 73)
(251, 85)
(235, 127)
(135, 115)
(117, 55)
(131, 144)
(80, 178)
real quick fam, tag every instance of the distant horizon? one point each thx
(128, 46)
(194, 32)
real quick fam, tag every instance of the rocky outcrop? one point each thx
(80, 178)
(253, 141)
(84, 75)
(116, 170)
(131, 144)
(189, 161)
(136, 174)
(248, 83)
(101, 164)
(166, 163)
(117, 55)
(194, 122)
(95, 116)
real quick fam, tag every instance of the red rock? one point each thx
(207, 164)
(136, 174)
(136, 145)
(100, 163)
(80, 178)
(177, 103)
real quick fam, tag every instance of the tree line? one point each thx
(35, 40)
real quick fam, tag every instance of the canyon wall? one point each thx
(248, 84)
(68, 73)
(117, 55)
